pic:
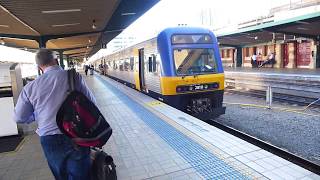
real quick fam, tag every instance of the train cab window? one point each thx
(194, 61)
(131, 63)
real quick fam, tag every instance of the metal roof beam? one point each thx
(73, 48)
(292, 33)
(17, 36)
(49, 37)
(229, 45)
(72, 54)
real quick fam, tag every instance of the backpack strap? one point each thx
(71, 79)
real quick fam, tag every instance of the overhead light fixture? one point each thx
(4, 26)
(128, 14)
(2, 41)
(89, 41)
(94, 26)
(61, 11)
(302, 28)
(256, 37)
(62, 25)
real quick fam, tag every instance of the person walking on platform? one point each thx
(40, 101)
(86, 68)
(254, 61)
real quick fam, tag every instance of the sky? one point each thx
(168, 13)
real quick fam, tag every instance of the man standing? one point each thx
(40, 101)
(254, 60)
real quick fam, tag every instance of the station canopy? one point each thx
(307, 26)
(79, 28)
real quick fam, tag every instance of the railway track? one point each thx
(284, 98)
(313, 167)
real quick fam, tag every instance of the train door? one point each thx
(285, 54)
(141, 69)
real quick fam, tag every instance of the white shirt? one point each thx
(254, 57)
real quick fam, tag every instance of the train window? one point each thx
(191, 39)
(154, 63)
(114, 65)
(194, 61)
(131, 63)
(150, 64)
(126, 65)
(121, 65)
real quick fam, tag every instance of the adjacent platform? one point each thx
(311, 73)
(295, 82)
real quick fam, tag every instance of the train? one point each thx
(181, 67)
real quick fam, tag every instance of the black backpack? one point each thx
(80, 119)
(103, 167)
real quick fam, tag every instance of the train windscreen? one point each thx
(194, 61)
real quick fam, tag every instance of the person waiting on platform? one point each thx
(254, 62)
(40, 101)
(271, 60)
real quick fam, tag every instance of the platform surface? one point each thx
(155, 141)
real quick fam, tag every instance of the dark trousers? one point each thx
(66, 161)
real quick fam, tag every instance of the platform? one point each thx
(152, 140)
(312, 73)
(294, 82)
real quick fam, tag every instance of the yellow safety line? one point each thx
(154, 103)
(16, 149)
(298, 111)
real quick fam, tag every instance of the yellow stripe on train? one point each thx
(169, 84)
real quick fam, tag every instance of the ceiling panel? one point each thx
(20, 43)
(80, 19)
(67, 23)
(75, 41)
(11, 25)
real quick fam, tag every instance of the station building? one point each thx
(291, 32)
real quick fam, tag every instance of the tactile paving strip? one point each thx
(205, 163)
